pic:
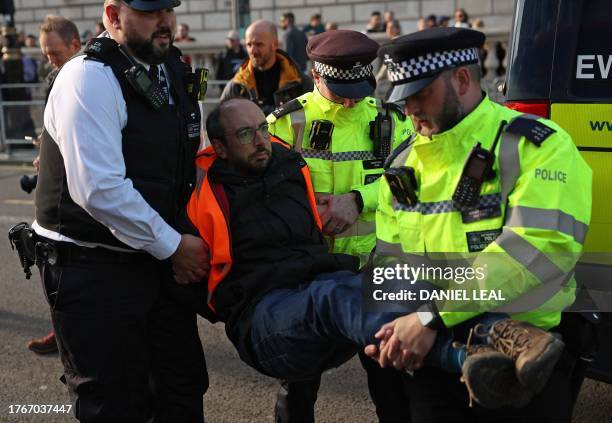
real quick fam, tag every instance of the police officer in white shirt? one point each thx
(117, 164)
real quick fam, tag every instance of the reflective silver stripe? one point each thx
(200, 174)
(357, 229)
(298, 123)
(509, 163)
(556, 220)
(529, 256)
(446, 206)
(387, 253)
(388, 248)
(401, 158)
(551, 277)
(346, 156)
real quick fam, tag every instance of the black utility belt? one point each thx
(67, 253)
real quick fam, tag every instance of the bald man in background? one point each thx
(268, 76)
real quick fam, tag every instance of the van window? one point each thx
(530, 69)
(584, 50)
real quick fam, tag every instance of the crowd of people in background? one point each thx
(293, 40)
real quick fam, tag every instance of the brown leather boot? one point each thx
(44, 345)
(534, 351)
(490, 378)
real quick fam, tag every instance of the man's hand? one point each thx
(190, 261)
(36, 163)
(337, 212)
(406, 347)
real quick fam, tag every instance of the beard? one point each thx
(452, 113)
(146, 50)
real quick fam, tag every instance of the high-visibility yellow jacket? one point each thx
(528, 228)
(348, 165)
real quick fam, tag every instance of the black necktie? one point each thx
(157, 75)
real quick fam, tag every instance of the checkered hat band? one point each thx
(430, 63)
(357, 73)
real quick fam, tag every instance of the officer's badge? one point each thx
(391, 65)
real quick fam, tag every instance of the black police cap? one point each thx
(151, 5)
(415, 60)
(344, 58)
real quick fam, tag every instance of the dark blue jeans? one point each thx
(298, 333)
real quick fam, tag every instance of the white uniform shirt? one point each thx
(85, 115)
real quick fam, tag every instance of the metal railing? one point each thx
(200, 54)
(24, 117)
(21, 115)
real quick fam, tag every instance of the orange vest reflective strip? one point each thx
(209, 212)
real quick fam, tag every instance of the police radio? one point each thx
(138, 77)
(402, 183)
(320, 134)
(478, 168)
(380, 134)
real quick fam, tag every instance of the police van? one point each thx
(560, 67)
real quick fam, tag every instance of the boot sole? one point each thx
(492, 382)
(535, 374)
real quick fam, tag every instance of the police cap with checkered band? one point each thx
(415, 60)
(343, 58)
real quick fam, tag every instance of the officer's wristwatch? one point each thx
(429, 316)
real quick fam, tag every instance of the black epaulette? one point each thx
(398, 150)
(397, 109)
(285, 109)
(100, 48)
(528, 127)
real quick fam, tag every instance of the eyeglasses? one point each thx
(246, 135)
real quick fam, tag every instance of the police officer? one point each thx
(345, 135)
(474, 184)
(117, 163)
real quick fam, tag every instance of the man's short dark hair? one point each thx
(65, 28)
(475, 71)
(214, 127)
(375, 13)
(290, 17)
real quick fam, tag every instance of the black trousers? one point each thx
(105, 315)
(439, 397)
(295, 400)
(178, 371)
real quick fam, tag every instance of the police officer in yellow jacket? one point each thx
(345, 135)
(506, 191)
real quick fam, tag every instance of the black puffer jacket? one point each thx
(275, 241)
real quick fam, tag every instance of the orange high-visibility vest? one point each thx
(208, 210)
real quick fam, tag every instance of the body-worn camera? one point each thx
(320, 134)
(196, 83)
(403, 185)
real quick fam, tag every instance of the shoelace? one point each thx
(462, 379)
(512, 342)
